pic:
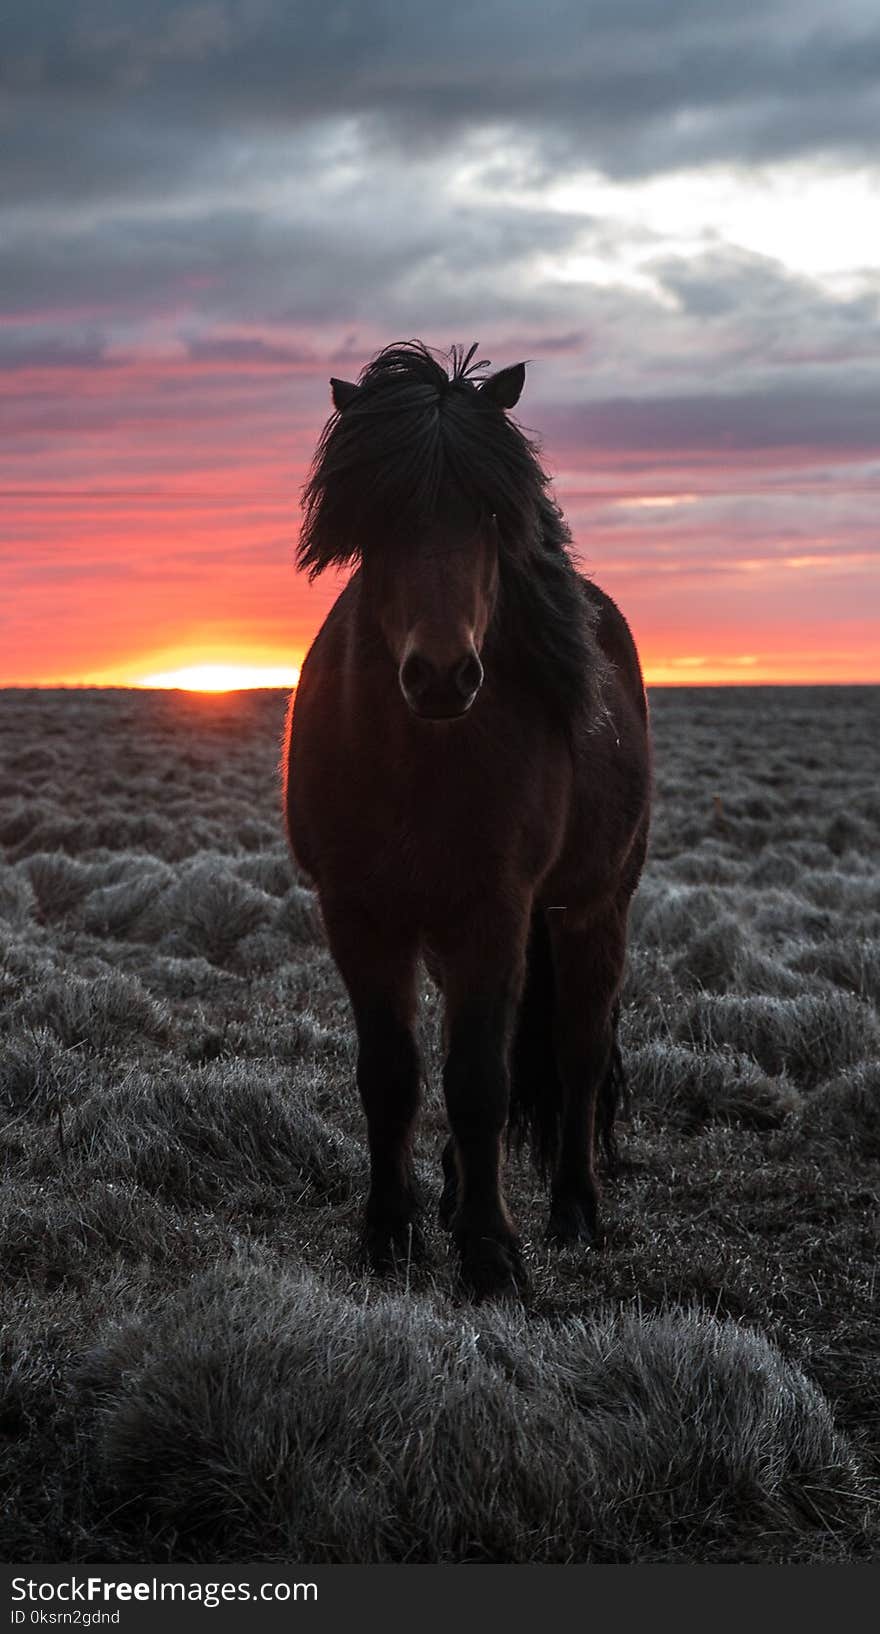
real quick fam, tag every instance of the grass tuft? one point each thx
(692, 1087)
(17, 899)
(59, 884)
(227, 1128)
(105, 1013)
(38, 1074)
(846, 1112)
(209, 909)
(809, 1037)
(263, 1414)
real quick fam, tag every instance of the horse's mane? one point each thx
(416, 426)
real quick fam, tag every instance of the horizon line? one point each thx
(219, 692)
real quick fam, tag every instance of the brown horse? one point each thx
(468, 779)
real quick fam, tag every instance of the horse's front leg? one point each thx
(378, 965)
(484, 966)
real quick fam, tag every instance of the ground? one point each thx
(195, 1363)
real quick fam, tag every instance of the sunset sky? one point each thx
(671, 207)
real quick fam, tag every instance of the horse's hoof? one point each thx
(574, 1222)
(494, 1270)
(391, 1248)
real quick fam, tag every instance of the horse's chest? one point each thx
(435, 828)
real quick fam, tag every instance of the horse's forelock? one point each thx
(382, 465)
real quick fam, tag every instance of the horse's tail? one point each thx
(536, 1093)
(614, 1094)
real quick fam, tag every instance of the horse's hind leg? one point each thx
(588, 963)
(378, 967)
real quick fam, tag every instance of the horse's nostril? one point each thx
(416, 675)
(437, 693)
(469, 675)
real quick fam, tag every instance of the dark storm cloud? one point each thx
(811, 415)
(724, 281)
(30, 351)
(246, 349)
(631, 87)
(771, 317)
(310, 262)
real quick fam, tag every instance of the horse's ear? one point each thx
(505, 387)
(343, 392)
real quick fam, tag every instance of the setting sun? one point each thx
(222, 678)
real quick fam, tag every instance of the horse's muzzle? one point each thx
(440, 694)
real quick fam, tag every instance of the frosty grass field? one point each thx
(196, 1365)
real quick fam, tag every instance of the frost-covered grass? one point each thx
(195, 1364)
